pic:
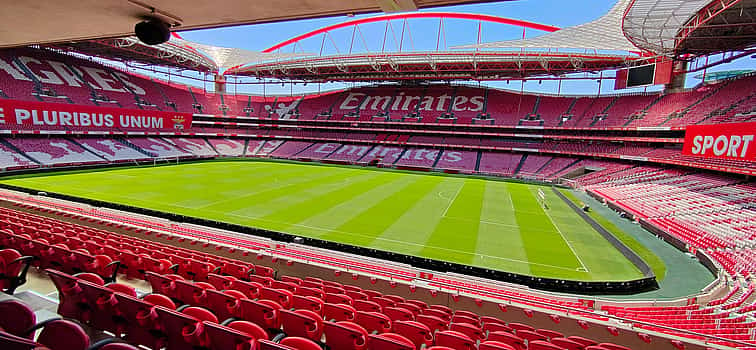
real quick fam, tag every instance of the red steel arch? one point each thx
(452, 15)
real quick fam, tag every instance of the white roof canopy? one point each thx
(655, 24)
(604, 33)
(227, 57)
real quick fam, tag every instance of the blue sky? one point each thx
(422, 35)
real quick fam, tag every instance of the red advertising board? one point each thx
(41, 114)
(728, 141)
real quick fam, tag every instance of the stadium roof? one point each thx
(674, 27)
(34, 22)
(435, 65)
(177, 52)
(666, 27)
(604, 33)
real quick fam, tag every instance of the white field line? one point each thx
(409, 243)
(452, 200)
(511, 202)
(491, 257)
(566, 241)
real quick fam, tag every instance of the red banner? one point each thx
(730, 141)
(42, 114)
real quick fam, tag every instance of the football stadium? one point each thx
(370, 175)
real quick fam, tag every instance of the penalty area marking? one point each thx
(582, 267)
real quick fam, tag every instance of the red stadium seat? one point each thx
(389, 341)
(470, 330)
(373, 321)
(302, 323)
(398, 314)
(495, 345)
(433, 323)
(567, 344)
(262, 312)
(455, 340)
(223, 304)
(13, 268)
(418, 333)
(509, 339)
(18, 317)
(543, 345)
(338, 312)
(311, 303)
(345, 335)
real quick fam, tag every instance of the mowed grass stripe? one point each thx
(287, 206)
(239, 205)
(455, 237)
(419, 222)
(375, 219)
(331, 218)
(318, 199)
(544, 246)
(499, 243)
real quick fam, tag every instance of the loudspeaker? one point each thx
(152, 31)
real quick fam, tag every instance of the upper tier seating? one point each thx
(43, 75)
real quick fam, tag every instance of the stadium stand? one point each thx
(227, 147)
(197, 146)
(54, 151)
(198, 284)
(157, 147)
(110, 149)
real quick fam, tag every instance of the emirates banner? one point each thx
(41, 114)
(729, 141)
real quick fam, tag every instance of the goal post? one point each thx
(166, 160)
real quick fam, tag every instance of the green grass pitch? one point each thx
(487, 223)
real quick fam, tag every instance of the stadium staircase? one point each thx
(196, 107)
(568, 113)
(139, 102)
(92, 91)
(137, 148)
(438, 157)
(477, 162)
(72, 140)
(643, 112)
(213, 146)
(17, 150)
(519, 165)
(166, 100)
(400, 156)
(605, 111)
(687, 109)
